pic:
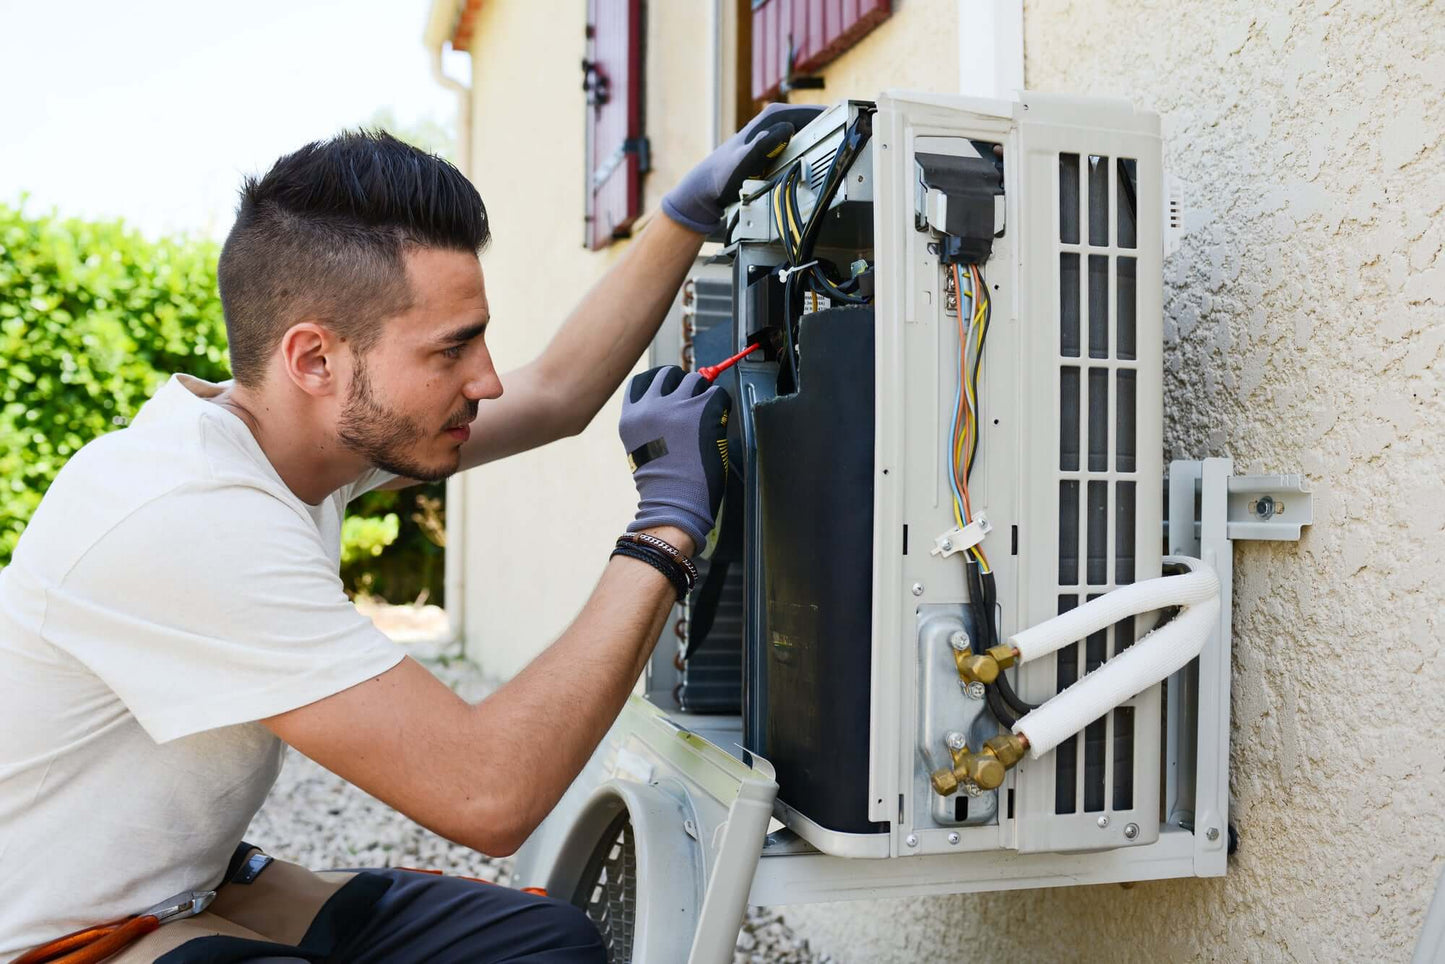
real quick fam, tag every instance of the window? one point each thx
(792, 37)
(616, 148)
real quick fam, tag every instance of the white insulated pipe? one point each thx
(1151, 659)
(1141, 597)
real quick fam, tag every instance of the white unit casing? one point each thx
(1068, 500)
(1070, 457)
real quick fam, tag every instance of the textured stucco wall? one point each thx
(540, 525)
(1305, 319)
(1305, 327)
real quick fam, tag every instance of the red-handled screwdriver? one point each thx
(713, 371)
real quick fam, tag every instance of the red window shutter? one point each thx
(814, 31)
(616, 149)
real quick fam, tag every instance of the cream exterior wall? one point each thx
(1304, 331)
(1305, 317)
(540, 525)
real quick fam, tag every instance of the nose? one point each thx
(484, 382)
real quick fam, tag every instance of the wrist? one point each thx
(673, 536)
(693, 219)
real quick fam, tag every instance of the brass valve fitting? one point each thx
(984, 769)
(1007, 748)
(984, 667)
(945, 783)
(981, 769)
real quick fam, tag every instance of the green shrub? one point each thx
(94, 318)
(363, 537)
(414, 566)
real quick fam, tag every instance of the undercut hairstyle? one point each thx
(322, 236)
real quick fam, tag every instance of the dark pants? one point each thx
(398, 916)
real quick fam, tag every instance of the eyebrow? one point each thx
(465, 334)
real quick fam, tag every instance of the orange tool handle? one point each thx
(92, 944)
(713, 371)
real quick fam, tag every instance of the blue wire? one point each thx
(953, 422)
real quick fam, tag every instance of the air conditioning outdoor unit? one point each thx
(946, 508)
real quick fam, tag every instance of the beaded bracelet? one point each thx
(658, 560)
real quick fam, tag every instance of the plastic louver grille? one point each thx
(818, 171)
(1097, 454)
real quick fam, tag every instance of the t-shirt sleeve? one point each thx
(210, 606)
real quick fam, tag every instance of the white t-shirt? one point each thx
(169, 591)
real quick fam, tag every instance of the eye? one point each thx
(454, 351)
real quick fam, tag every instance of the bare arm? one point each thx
(485, 775)
(559, 393)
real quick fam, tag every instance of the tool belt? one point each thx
(100, 941)
(302, 914)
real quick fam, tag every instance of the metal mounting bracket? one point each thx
(1268, 507)
(1211, 508)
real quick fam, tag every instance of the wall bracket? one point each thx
(1210, 508)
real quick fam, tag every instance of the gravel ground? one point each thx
(315, 818)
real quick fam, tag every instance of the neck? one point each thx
(311, 462)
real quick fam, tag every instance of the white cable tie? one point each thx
(785, 273)
(961, 540)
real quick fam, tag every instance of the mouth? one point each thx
(460, 432)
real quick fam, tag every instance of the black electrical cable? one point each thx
(984, 628)
(820, 277)
(817, 275)
(999, 708)
(1005, 688)
(790, 344)
(800, 253)
(854, 138)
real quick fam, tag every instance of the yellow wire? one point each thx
(778, 215)
(962, 449)
(797, 236)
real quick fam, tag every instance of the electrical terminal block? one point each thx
(961, 540)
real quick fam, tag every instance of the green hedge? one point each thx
(94, 318)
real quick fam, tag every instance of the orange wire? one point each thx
(965, 422)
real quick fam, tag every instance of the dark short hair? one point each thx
(323, 234)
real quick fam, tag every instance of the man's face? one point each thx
(413, 396)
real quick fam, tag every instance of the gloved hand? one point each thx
(698, 200)
(674, 427)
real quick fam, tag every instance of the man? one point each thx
(173, 615)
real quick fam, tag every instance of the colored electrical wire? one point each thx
(973, 303)
(975, 311)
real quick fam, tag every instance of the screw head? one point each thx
(953, 838)
(946, 545)
(956, 740)
(918, 589)
(1102, 822)
(911, 840)
(1212, 833)
(975, 690)
(958, 639)
(1131, 830)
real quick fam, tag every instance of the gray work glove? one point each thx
(674, 427)
(698, 200)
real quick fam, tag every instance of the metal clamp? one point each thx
(188, 903)
(961, 540)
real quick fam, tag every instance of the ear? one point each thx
(311, 355)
